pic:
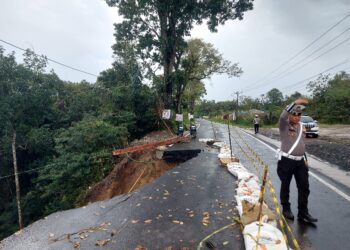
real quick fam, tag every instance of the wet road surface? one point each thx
(188, 204)
(176, 211)
(329, 200)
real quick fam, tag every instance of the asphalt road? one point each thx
(329, 200)
(189, 203)
(176, 211)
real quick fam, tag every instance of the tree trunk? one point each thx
(192, 102)
(18, 192)
(179, 103)
(168, 41)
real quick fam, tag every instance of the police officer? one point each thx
(292, 162)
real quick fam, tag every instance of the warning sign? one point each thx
(166, 114)
(179, 117)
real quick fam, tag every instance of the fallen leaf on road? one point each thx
(140, 248)
(134, 221)
(225, 243)
(148, 221)
(76, 244)
(105, 224)
(83, 235)
(205, 220)
(114, 232)
(102, 243)
(190, 213)
(178, 222)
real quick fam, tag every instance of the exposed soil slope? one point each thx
(132, 172)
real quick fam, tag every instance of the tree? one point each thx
(25, 96)
(158, 28)
(200, 61)
(331, 101)
(83, 157)
(248, 103)
(273, 101)
(193, 93)
(274, 97)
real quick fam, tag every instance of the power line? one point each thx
(23, 172)
(300, 89)
(318, 49)
(309, 78)
(51, 60)
(301, 51)
(303, 65)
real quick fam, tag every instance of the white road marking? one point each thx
(330, 186)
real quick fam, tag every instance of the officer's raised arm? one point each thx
(283, 121)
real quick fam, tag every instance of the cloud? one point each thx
(79, 33)
(270, 34)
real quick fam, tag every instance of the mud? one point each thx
(132, 171)
(130, 174)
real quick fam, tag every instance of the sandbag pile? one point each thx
(225, 156)
(248, 206)
(206, 140)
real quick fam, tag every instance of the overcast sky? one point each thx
(79, 33)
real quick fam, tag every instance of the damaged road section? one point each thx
(141, 167)
(175, 211)
(181, 152)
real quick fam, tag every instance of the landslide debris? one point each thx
(132, 171)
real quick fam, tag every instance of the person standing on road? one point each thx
(291, 161)
(256, 122)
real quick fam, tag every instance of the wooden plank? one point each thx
(151, 145)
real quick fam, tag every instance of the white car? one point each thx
(310, 125)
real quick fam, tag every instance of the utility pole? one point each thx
(237, 93)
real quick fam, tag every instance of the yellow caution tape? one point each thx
(282, 221)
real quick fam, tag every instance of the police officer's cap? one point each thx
(297, 109)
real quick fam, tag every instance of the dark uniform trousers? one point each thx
(286, 168)
(256, 128)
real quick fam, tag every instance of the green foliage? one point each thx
(65, 132)
(157, 29)
(200, 61)
(212, 108)
(83, 157)
(331, 98)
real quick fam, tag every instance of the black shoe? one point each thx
(306, 217)
(288, 214)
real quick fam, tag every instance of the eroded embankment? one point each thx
(137, 169)
(129, 174)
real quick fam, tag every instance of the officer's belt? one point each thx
(293, 157)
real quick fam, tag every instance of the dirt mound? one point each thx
(132, 172)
